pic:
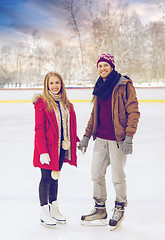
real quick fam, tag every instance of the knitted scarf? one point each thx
(65, 121)
(102, 88)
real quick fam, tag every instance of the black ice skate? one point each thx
(97, 217)
(118, 216)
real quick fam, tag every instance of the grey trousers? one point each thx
(107, 153)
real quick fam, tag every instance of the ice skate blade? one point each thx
(98, 222)
(114, 227)
(60, 221)
(47, 225)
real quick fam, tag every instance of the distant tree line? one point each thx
(139, 49)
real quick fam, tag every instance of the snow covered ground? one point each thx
(19, 203)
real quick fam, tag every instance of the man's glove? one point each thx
(44, 158)
(83, 144)
(127, 145)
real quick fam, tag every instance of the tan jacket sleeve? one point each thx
(92, 126)
(89, 128)
(132, 111)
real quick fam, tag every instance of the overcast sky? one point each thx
(49, 17)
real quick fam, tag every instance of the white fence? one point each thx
(81, 94)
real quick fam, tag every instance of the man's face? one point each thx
(104, 69)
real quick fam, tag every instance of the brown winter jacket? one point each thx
(125, 112)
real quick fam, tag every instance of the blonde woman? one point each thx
(54, 144)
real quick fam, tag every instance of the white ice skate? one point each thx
(54, 211)
(45, 217)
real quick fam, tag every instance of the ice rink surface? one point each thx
(145, 171)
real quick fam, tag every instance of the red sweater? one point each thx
(106, 128)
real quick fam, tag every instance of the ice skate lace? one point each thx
(58, 212)
(118, 212)
(93, 211)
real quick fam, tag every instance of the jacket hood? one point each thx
(36, 97)
(124, 80)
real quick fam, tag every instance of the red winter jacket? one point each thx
(46, 136)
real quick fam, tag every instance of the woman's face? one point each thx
(104, 69)
(54, 84)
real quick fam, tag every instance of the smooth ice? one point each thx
(19, 202)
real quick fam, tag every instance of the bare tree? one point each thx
(74, 21)
(5, 64)
(162, 11)
(96, 25)
(5, 55)
(34, 56)
(156, 36)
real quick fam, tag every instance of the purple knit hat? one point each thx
(107, 58)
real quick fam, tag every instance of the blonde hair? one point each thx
(48, 98)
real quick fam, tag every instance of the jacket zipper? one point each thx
(113, 121)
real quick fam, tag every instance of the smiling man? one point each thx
(113, 123)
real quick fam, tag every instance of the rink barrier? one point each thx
(84, 100)
(30, 101)
(81, 87)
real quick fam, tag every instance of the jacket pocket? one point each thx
(123, 119)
